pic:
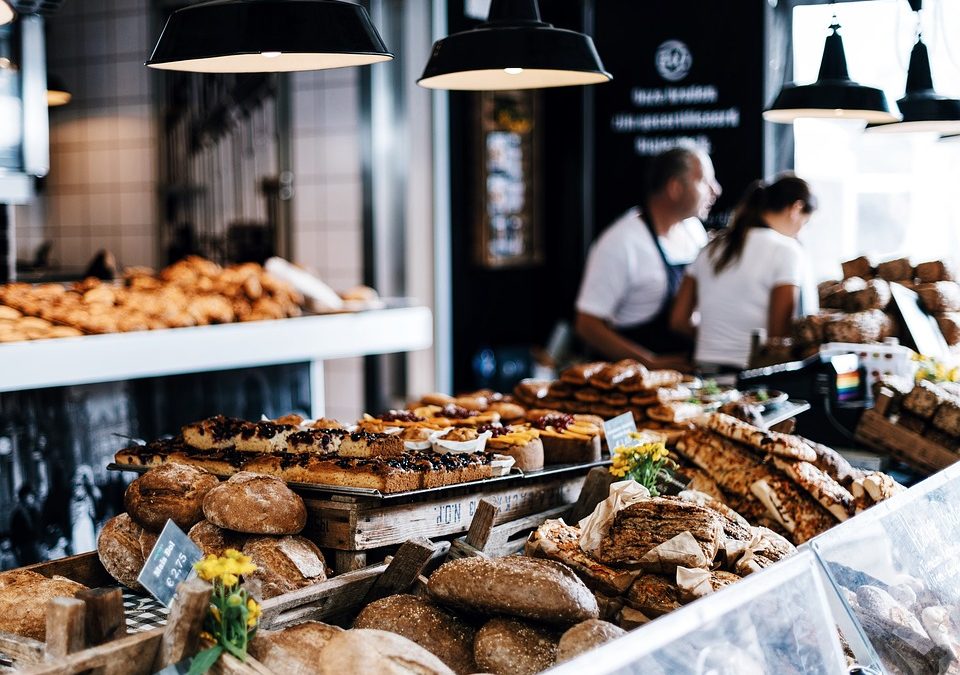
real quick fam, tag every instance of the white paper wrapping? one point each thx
(458, 447)
(321, 297)
(594, 527)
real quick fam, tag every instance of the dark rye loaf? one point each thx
(542, 590)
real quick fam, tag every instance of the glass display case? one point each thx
(895, 570)
(775, 621)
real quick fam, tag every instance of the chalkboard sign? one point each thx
(683, 71)
(169, 563)
(617, 431)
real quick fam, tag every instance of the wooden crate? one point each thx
(907, 446)
(355, 525)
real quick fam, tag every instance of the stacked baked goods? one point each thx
(320, 452)
(658, 399)
(256, 514)
(926, 408)
(192, 292)
(515, 615)
(793, 486)
(23, 601)
(856, 309)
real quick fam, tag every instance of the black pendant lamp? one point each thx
(834, 95)
(923, 108)
(268, 36)
(513, 49)
(57, 92)
(6, 13)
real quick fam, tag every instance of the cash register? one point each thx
(834, 384)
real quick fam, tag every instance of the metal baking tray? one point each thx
(318, 489)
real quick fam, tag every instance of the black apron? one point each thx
(655, 334)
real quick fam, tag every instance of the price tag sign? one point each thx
(170, 562)
(618, 430)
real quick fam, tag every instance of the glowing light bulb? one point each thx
(513, 71)
(270, 55)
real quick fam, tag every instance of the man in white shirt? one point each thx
(634, 269)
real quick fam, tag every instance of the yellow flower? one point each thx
(229, 579)
(253, 613)
(215, 613)
(234, 554)
(209, 568)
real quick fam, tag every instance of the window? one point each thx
(881, 195)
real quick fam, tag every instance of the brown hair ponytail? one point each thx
(783, 193)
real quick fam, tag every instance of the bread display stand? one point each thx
(68, 650)
(348, 593)
(881, 433)
(774, 621)
(485, 538)
(896, 572)
(355, 525)
(124, 356)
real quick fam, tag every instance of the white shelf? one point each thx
(124, 356)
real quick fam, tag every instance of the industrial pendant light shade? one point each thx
(261, 36)
(513, 49)
(834, 95)
(923, 109)
(6, 13)
(57, 92)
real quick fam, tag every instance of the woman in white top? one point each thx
(749, 277)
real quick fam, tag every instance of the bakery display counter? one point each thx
(123, 356)
(775, 621)
(896, 571)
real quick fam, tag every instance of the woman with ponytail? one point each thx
(749, 276)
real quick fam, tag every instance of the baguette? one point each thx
(781, 445)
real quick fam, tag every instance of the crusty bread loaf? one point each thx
(366, 650)
(255, 504)
(434, 629)
(586, 636)
(170, 491)
(900, 269)
(654, 595)
(858, 267)
(512, 647)
(284, 564)
(23, 601)
(933, 271)
(121, 550)
(542, 590)
(295, 650)
(214, 540)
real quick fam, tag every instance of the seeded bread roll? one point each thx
(376, 651)
(434, 629)
(542, 590)
(170, 491)
(23, 601)
(121, 551)
(255, 504)
(586, 636)
(214, 540)
(284, 564)
(511, 647)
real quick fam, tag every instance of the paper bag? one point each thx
(594, 527)
(693, 583)
(682, 550)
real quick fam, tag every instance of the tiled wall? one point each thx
(328, 235)
(102, 191)
(102, 188)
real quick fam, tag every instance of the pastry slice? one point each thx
(521, 442)
(829, 493)
(224, 463)
(567, 438)
(581, 373)
(613, 374)
(781, 445)
(221, 432)
(154, 453)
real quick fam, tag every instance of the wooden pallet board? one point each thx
(907, 446)
(349, 524)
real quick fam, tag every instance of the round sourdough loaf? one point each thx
(173, 491)
(121, 548)
(284, 564)
(542, 590)
(23, 601)
(214, 540)
(512, 647)
(295, 650)
(586, 636)
(376, 651)
(255, 504)
(434, 629)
